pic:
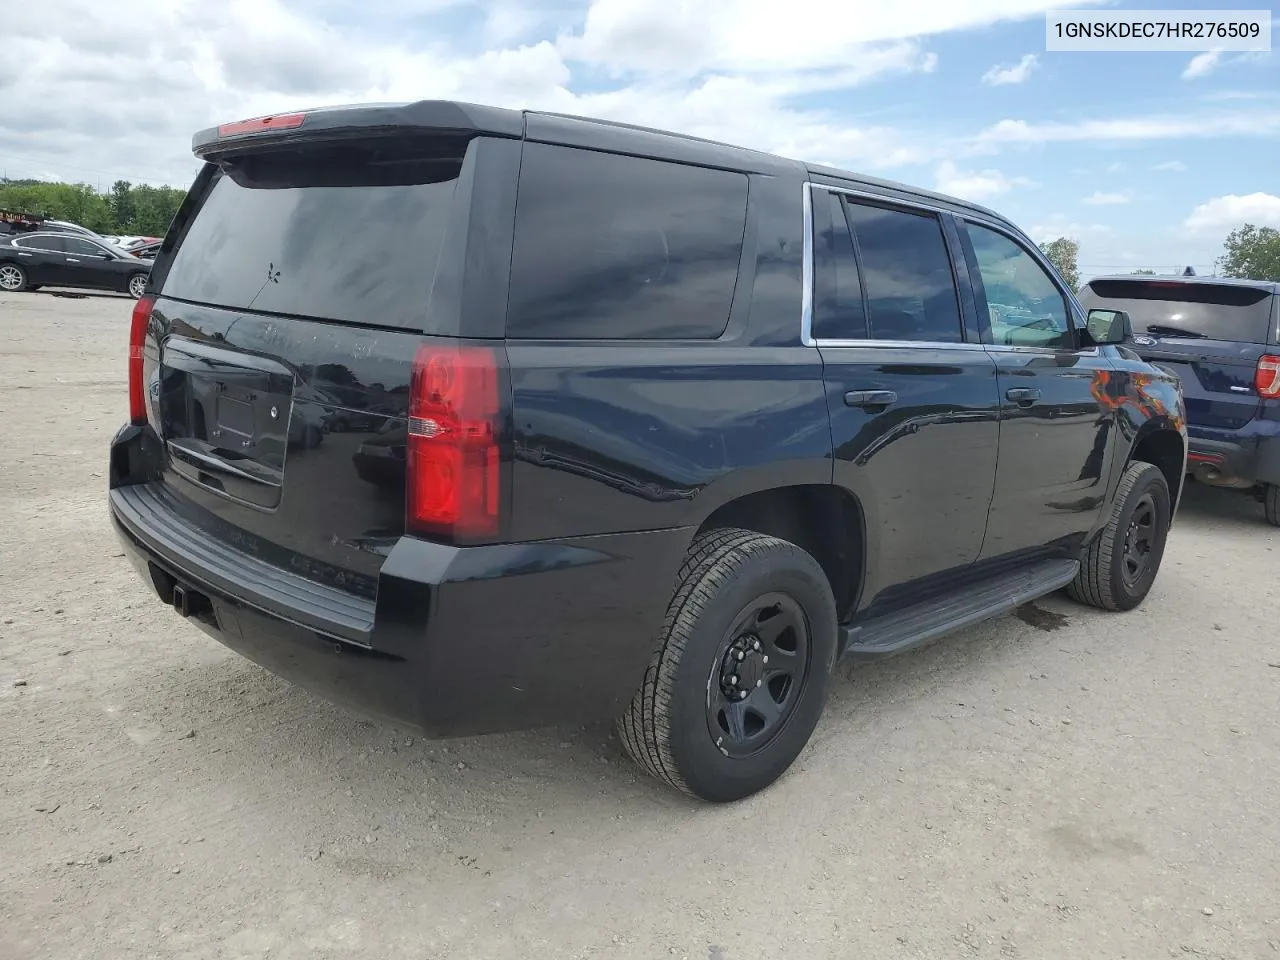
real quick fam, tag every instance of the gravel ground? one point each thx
(1060, 784)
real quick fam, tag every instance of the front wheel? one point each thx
(13, 279)
(137, 285)
(734, 692)
(1120, 565)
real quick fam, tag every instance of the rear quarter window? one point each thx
(1216, 311)
(618, 247)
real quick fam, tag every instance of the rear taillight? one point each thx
(454, 463)
(137, 338)
(1266, 379)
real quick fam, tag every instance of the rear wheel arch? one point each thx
(824, 520)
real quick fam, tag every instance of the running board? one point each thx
(901, 630)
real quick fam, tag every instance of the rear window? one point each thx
(347, 233)
(617, 247)
(1217, 311)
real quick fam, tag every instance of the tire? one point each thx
(1271, 504)
(1108, 578)
(735, 587)
(13, 279)
(136, 285)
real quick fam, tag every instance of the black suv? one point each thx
(1222, 338)
(636, 426)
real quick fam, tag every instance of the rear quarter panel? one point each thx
(624, 436)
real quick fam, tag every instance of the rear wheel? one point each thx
(1271, 503)
(735, 690)
(1119, 567)
(12, 278)
(137, 285)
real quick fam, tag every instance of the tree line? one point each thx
(127, 209)
(1252, 253)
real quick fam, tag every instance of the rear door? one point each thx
(89, 265)
(301, 283)
(43, 257)
(912, 397)
(1210, 334)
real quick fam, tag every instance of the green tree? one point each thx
(127, 208)
(122, 204)
(1064, 254)
(1253, 253)
(1144, 272)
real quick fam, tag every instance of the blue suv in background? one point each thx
(1222, 338)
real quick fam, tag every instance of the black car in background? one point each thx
(1222, 338)
(34, 260)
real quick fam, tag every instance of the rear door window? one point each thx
(618, 247)
(341, 233)
(1214, 311)
(44, 242)
(906, 274)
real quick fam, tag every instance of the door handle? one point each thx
(72, 260)
(870, 398)
(1023, 396)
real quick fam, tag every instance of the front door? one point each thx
(1056, 425)
(88, 265)
(912, 396)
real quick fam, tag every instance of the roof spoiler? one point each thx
(354, 121)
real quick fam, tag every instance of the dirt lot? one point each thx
(1064, 784)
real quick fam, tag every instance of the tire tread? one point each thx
(645, 727)
(1271, 504)
(1092, 585)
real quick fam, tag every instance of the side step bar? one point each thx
(901, 630)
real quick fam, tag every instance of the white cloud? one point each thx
(1171, 166)
(1103, 199)
(975, 185)
(642, 36)
(1225, 213)
(1060, 226)
(93, 92)
(1018, 73)
(1255, 123)
(1202, 64)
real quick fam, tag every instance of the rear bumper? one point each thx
(1221, 456)
(461, 640)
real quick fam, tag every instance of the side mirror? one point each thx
(1108, 327)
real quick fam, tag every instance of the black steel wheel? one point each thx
(757, 681)
(1119, 566)
(1271, 504)
(737, 685)
(1139, 538)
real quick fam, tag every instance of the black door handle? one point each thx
(1023, 396)
(870, 398)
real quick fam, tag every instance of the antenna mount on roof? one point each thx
(1189, 272)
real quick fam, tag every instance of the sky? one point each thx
(1147, 159)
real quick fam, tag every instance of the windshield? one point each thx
(345, 234)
